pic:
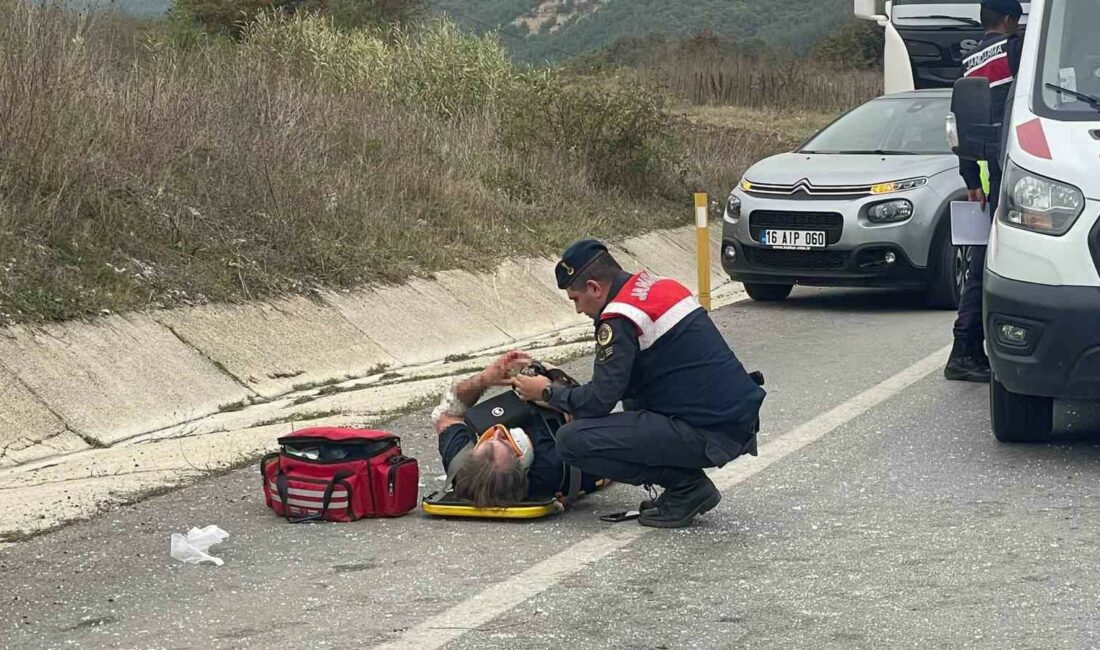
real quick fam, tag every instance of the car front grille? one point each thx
(832, 223)
(803, 189)
(796, 260)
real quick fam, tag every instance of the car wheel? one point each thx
(768, 292)
(948, 269)
(1019, 418)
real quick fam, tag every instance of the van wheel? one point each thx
(1019, 418)
(768, 292)
(948, 269)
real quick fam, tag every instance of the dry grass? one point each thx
(721, 153)
(135, 177)
(787, 125)
(791, 85)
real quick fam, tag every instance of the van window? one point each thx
(1068, 79)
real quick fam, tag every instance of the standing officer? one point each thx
(689, 404)
(996, 58)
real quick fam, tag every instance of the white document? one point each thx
(970, 224)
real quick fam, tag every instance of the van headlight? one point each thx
(890, 211)
(1039, 204)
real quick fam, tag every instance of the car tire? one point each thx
(768, 292)
(948, 269)
(1019, 418)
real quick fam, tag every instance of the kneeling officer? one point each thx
(689, 404)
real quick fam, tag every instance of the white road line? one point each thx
(497, 599)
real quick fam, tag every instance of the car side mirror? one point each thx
(971, 130)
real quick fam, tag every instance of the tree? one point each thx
(858, 44)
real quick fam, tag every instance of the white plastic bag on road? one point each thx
(193, 548)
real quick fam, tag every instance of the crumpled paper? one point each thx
(192, 548)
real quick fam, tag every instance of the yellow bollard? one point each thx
(702, 235)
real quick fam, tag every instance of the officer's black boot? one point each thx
(963, 366)
(692, 495)
(654, 502)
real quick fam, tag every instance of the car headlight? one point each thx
(898, 186)
(733, 207)
(1039, 204)
(890, 211)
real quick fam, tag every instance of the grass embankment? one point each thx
(136, 172)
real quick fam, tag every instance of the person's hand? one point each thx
(530, 389)
(977, 196)
(445, 422)
(499, 372)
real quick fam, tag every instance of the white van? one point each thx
(1042, 282)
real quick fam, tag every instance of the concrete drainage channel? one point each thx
(94, 415)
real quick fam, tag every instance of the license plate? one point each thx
(793, 239)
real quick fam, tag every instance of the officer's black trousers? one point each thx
(638, 447)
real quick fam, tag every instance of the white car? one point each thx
(865, 202)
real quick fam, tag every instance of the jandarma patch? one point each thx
(604, 353)
(604, 334)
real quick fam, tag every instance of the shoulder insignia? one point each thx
(604, 334)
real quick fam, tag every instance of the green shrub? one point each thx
(621, 135)
(369, 13)
(233, 17)
(225, 17)
(448, 71)
(437, 68)
(858, 44)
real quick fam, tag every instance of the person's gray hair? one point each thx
(480, 480)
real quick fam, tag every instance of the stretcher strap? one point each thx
(574, 486)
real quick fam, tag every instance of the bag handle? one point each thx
(282, 486)
(264, 461)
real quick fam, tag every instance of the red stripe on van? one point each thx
(1033, 140)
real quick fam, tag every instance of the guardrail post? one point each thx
(702, 234)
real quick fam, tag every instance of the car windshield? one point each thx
(1068, 83)
(888, 126)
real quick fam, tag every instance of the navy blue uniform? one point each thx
(689, 402)
(996, 58)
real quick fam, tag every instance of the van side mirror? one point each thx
(871, 9)
(972, 132)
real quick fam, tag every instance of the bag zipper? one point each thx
(335, 461)
(290, 440)
(319, 481)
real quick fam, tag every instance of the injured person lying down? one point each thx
(502, 452)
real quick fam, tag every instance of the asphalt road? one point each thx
(894, 521)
